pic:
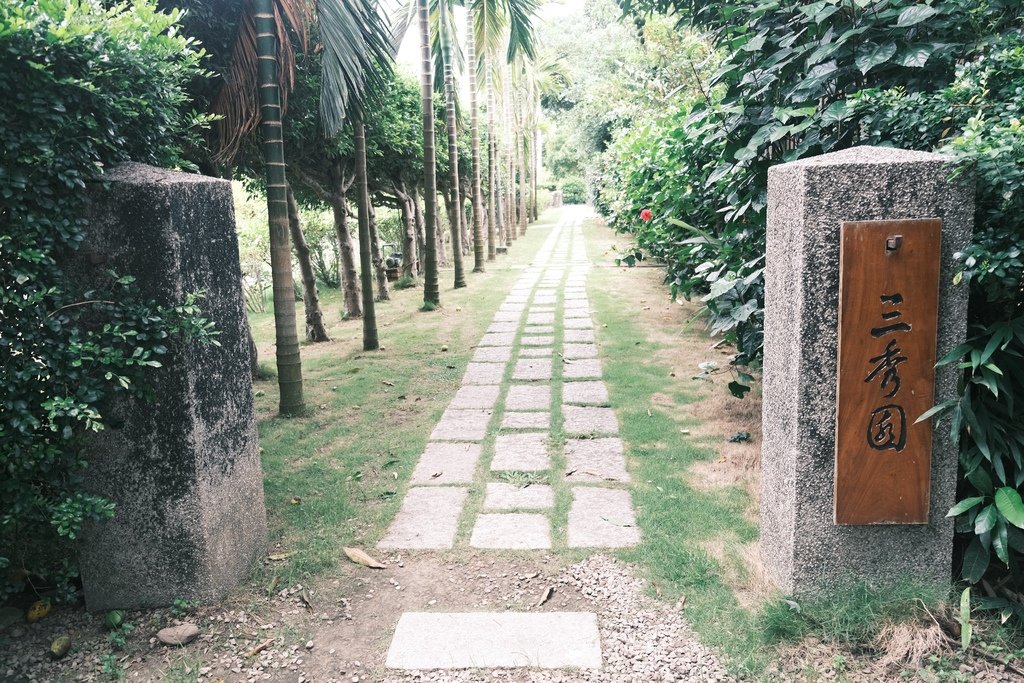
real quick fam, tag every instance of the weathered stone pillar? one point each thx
(183, 469)
(808, 542)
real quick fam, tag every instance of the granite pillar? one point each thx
(803, 550)
(183, 468)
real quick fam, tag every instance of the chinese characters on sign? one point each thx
(888, 309)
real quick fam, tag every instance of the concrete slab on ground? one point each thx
(428, 518)
(501, 496)
(528, 397)
(512, 531)
(521, 453)
(595, 460)
(457, 424)
(601, 518)
(447, 463)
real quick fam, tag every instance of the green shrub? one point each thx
(85, 87)
(801, 79)
(574, 192)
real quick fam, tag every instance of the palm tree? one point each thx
(477, 199)
(354, 38)
(370, 341)
(431, 291)
(446, 37)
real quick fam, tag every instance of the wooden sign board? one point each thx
(888, 311)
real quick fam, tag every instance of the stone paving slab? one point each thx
(539, 329)
(507, 316)
(532, 420)
(578, 336)
(491, 640)
(521, 453)
(502, 496)
(502, 327)
(573, 304)
(540, 319)
(601, 518)
(577, 313)
(476, 397)
(547, 292)
(535, 352)
(492, 354)
(593, 392)
(542, 309)
(512, 308)
(447, 463)
(589, 420)
(528, 397)
(511, 531)
(547, 300)
(587, 368)
(578, 324)
(517, 298)
(461, 425)
(532, 369)
(537, 340)
(484, 373)
(428, 518)
(497, 339)
(575, 351)
(595, 460)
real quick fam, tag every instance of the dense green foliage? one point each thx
(795, 79)
(85, 87)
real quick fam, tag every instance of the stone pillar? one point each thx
(183, 469)
(803, 549)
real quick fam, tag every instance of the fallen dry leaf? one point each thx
(387, 383)
(304, 596)
(278, 557)
(260, 648)
(548, 592)
(360, 557)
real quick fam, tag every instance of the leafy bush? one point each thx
(801, 79)
(574, 192)
(84, 87)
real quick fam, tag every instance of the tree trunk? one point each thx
(476, 195)
(410, 264)
(442, 256)
(379, 267)
(370, 341)
(421, 230)
(315, 331)
(524, 188)
(510, 187)
(453, 145)
(349, 277)
(492, 186)
(289, 362)
(431, 290)
(534, 172)
(254, 355)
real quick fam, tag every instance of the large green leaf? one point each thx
(964, 505)
(915, 15)
(916, 55)
(976, 559)
(1009, 503)
(986, 520)
(871, 55)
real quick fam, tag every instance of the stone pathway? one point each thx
(527, 457)
(532, 417)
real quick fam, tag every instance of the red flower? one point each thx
(646, 215)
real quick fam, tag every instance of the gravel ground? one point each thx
(642, 640)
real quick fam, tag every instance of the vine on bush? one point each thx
(85, 87)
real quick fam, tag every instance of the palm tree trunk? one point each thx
(442, 255)
(492, 185)
(381, 270)
(534, 171)
(289, 362)
(523, 187)
(431, 290)
(315, 331)
(349, 277)
(453, 147)
(370, 342)
(474, 124)
(421, 231)
(410, 264)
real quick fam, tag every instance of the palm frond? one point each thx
(521, 35)
(357, 43)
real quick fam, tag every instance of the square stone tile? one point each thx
(576, 303)
(535, 352)
(447, 463)
(515, 531)
(458, 424)
(492, 354)
(531, 420)
(577, 313)
(517, 298)
(521, 453)
(497, 339)
(545, 300)
(591, 392)
(532, 369)
(484, 373)
(528, 397)
(578, 324)
(542, 309)
(547, 292)
(574, 351)
(507, 316)
(601, 518)
(476, 397)
(540, 319)
(578, 336)
(502, 326)
(538, 340)
(586, 368)
(589, 420)
(595, 460)
(428, 518)
(512, 308)
(539, 329)
(515, 497)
